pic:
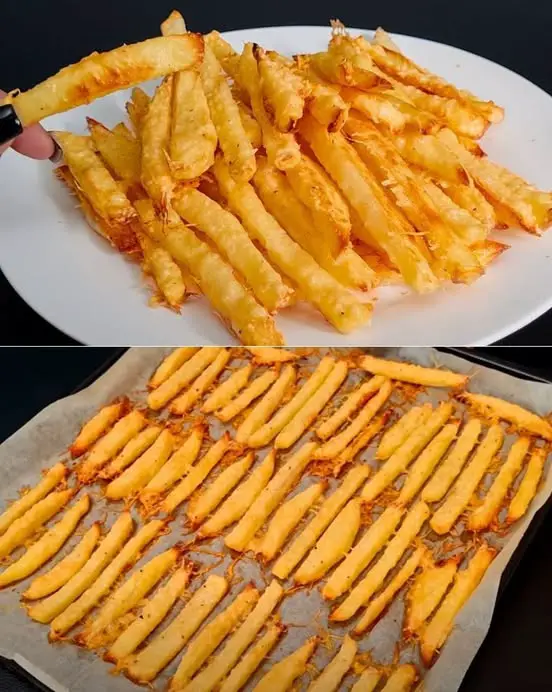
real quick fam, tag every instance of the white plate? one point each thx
(75, 281)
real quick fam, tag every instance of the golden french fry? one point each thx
(361, 441)
(225, 392)
(393, 438)
(399, 461)
(304, 418)
(96, 427)
(151, 615)
(120, 152)
(323, 518)
(171, 364)
(252, 392)
(269, 498)
(226, 55)
(417, 374)
(325, 103)
(241, 499)
(201, 505)
(368, 680)
(212, 635)
(111, 545)
(450, 468)
(333, 545)
(183, 403)
(166, 273)
(426, 593)
(390, 112)
(471, 198)
(51, 478)
(332, 675)
(431, 155)
(269, 356)
(283, 92)
(262, 411)
(225, 661)
(286, 519)
(402, 679)
(283, 674)
(528, 486)
(148, 662)
(173, 25)
(483, 515)
(264, 434)
(375, 577)
(197, 474)
(436, 632)
(133, 449)
(251, 126)
(137, 107)
(103, 73)
(362, 554)
(382, 38)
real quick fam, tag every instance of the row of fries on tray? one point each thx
(260, 180)
(414, 512)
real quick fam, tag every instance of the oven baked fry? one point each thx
(368, 680)
(401, 679)
(529, 484)
(283, 92)
(133, 449)
(283, 674)
(96, 427)
(136, 107)
(330, 678)
(416, 374)
(426, 592)
(171, 364)
(431, 155)
(225, 392)
(361, 441)
(393, 438)
(184, 402)
(264, 355)
(120, 152)
(254, 390)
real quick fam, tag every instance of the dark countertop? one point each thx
(39, 37)
(515, 653)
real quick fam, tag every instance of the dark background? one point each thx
(38, 37)
(516, 653)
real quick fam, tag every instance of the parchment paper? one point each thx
(42, 441)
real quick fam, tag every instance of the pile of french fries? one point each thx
(260, 180)
(394, 498)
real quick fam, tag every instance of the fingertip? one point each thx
(35, 142)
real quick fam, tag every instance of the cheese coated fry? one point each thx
(407, 372)
(226, 391)
(323, 518)
(368, 681)
(360, 442)
(51, 478)
(252, 392)
(46, 610)
(145, 665)
(47, 546)
(368, 586)
(528, 486)
(187, 372)
(131, 451)
(60, 574)
(351, 404)
(402, 679)
(411, 447)
(466, 484)
(212, 635)
(264, 355)
(241, 499)
(286, 519)
(397, 434)
(333, 545)
(362, 554)
(96, 427)
(151, 615)
(283, 674)
(334, 672)
(426, 593)
(171, 364)
(270, 497)
(262, 411)
(435, 634)
(201, 505)
(183, 403)
(263, 435)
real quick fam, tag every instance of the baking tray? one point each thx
(16, 678)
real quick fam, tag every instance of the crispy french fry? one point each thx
(151, 615)
(361, 441)
(249, 663)
(268, 356)
(148, 662)
(323, 518)
(393, 438)
(51, 478)
(269, 498)
(402, 679)
(110, 444)
(399, 461)
(135, 477)
(283, 92)
(126, 597)
(424, 465)
(212, 635)
(121, 153)
(431, 155)
(332, 675)
(137, 108)
(286, 519)
(444, 518)
(376, 607)
(374, 579)
(264, 434)
(426, 593)
(173, 25)
(483, 515)
(225, 661)
(50, 607)
(103, 73)
(47, 546)
(166, 273)
(390, 112)
(368, 680)
(436, 632)
(262, 411)
(251, 126)
(407, 372)
(225, 392)
(201, 505)
(226, 55)
(441, 481)
(283, 674)
(349, 406)
(304, 418)
(325, 103)
(241, 499)
(528, 486)
(382, 38)
(344, 68)
(362, 554)
(252, 392)
(471, 198)
(96, 427)
(197, 474)
(171, 364)
(134, 448)
(333, 545)
(335, 445)
(183, 403)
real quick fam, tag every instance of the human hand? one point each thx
(34, 142)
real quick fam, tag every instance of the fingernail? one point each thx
(10, 125)
(58, 153)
